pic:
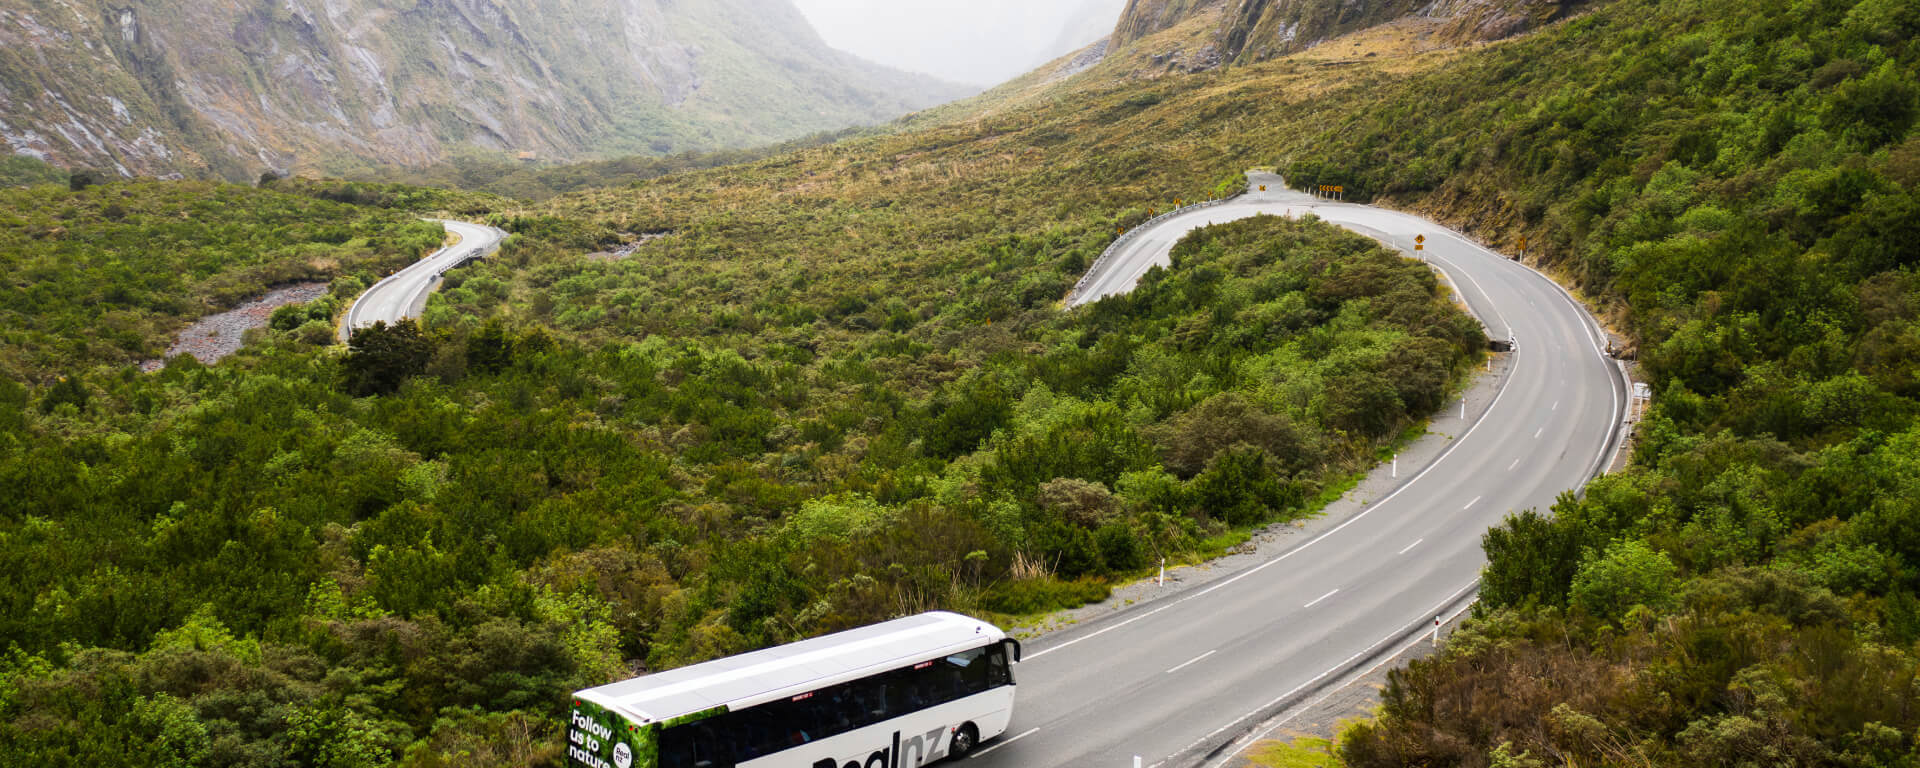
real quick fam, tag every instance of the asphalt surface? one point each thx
(404, 293)
(1176, 680)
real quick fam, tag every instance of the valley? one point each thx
(838, 381)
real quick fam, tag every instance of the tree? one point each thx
(1077, 501)
(382, 356)
(334, 737)
(1241, 488)
(1530, 559)
(490, 350)
(966, 415)
(1190, 440)
(1629, 574)
(68, 390)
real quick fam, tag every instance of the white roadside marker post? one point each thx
(1396, 466)
(1136, 761)
(1163, 572)
(1436, 631)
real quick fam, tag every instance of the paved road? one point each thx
(404, 293)
(1174, 679)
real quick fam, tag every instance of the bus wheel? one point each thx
(964, 740)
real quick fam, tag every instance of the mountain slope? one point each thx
(233, 87)
(1255, 30)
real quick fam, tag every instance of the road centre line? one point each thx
(1470, 504)
(1318, 600)
(1410, 547)
(1324, 675)
(1589, 325)
(1516, 462)
(1538, 432)
(1418, 638)
(982, 753)
(1189, 662)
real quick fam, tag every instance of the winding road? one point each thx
(1178, 679)
(404, 293)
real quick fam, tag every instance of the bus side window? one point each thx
(676, 748)
(693, 745)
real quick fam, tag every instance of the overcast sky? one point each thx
(982, 42)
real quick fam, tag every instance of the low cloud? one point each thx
(982, 42)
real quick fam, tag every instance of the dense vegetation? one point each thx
(24, 171)
(107, 274)
(1739, 180)
(414, 548)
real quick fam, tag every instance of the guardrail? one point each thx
(1106, 257)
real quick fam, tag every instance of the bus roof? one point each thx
(789, 670)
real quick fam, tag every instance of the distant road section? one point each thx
(404, 294)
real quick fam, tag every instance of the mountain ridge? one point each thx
(1256, 30)
(232, 88)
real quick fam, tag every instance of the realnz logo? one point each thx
(923, 748)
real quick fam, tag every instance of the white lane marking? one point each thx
(1516, 462)
(1537, 432)
(1410, 547)
(1418, 638)
(1317, 600)
(1616, 373)
(982, 753)
(1189, 662)
(1371, 508)
(1470, 504)
(1556, 406)
(1324, 675)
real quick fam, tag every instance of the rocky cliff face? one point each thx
(235, 87)
(1251, 30)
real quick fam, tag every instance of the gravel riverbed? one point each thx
(216, 336)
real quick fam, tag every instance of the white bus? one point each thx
(899, 694)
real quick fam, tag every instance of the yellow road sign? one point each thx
(1419, 238)
(1263, 187)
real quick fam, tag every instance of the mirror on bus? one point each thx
(1013, 649)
